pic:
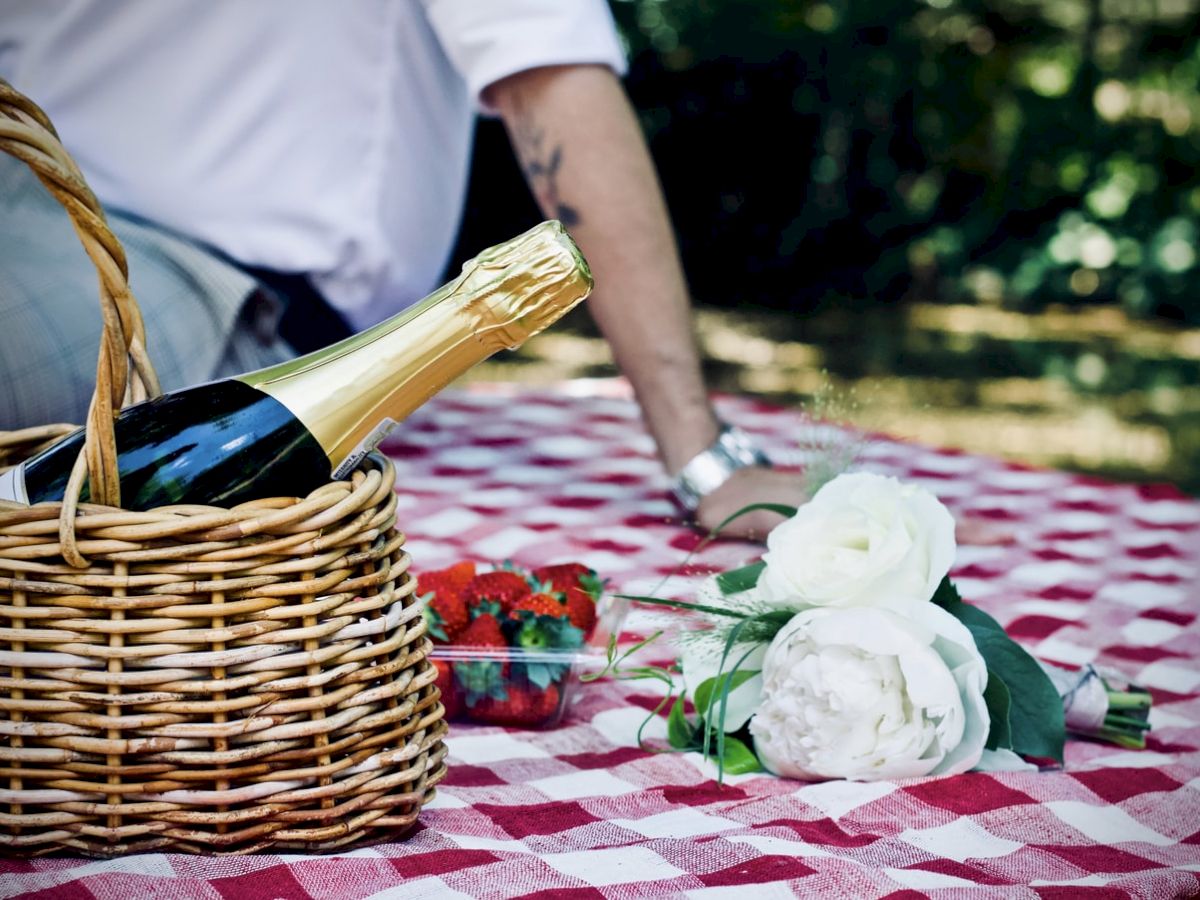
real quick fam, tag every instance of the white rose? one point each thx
(867, 694)
(863, 540)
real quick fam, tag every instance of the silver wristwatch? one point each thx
(709, 469)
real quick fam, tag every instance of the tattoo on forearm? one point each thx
(541, 166)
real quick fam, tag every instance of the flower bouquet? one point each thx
(846, 652)
(508, 642)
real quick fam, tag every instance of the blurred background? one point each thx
(974, 222)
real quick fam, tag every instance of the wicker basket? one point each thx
(193, 678)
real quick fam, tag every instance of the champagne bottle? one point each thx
(287, 429)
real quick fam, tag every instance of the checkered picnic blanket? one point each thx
(1096, 572)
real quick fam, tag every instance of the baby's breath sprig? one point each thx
(827, 445)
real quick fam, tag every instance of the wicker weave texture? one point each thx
(194, 678)
(215, 681)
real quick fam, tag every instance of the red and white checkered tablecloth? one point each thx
(1098, 572)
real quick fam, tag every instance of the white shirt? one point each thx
(331, 138)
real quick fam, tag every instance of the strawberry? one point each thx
(483, 678)
(455, 577)
(446, 615)
(581, 611)
(562, 575)
(522, 707)
(446, 611)
(483, 632)
(503, 586)
(538, 605)
(581, 588)
(451, 695)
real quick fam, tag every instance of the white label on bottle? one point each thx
(373, 439)
(12, 485)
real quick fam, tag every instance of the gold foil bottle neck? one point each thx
(505, 295)
(517, 289)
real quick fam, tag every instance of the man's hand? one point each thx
(746, 487)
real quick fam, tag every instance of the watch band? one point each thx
(710, 468)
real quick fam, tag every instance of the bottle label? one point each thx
(12, 485)
(373, 439)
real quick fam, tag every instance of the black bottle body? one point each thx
(219, 444)
(281, 431)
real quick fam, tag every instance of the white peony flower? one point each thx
(863, 540)
(867, 694)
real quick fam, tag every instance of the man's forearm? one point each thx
(584, 156)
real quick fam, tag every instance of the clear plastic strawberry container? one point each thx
(519, 659)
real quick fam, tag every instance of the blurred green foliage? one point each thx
(1010, 152)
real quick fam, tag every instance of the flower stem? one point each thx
(1114, 720)
(683, 604)
(1128, 700)
(1120, 738)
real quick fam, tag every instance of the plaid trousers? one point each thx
(198, 308)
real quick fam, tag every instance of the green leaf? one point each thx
(541, 674)
(538, 675)
(680, 733)
(1035, 713)
(722, 685)
(531, 637)
(491, 607)
(480, 680)
(738, 759)
(593, 584)
(737, 580)
(998, 701)
(561, 633)
(719, 723)
(539, 632)
(947, 594)
(433, 621)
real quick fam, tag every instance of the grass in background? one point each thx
(1083, 390)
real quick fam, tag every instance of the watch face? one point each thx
(741, 449)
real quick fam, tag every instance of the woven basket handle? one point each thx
(26, 133)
